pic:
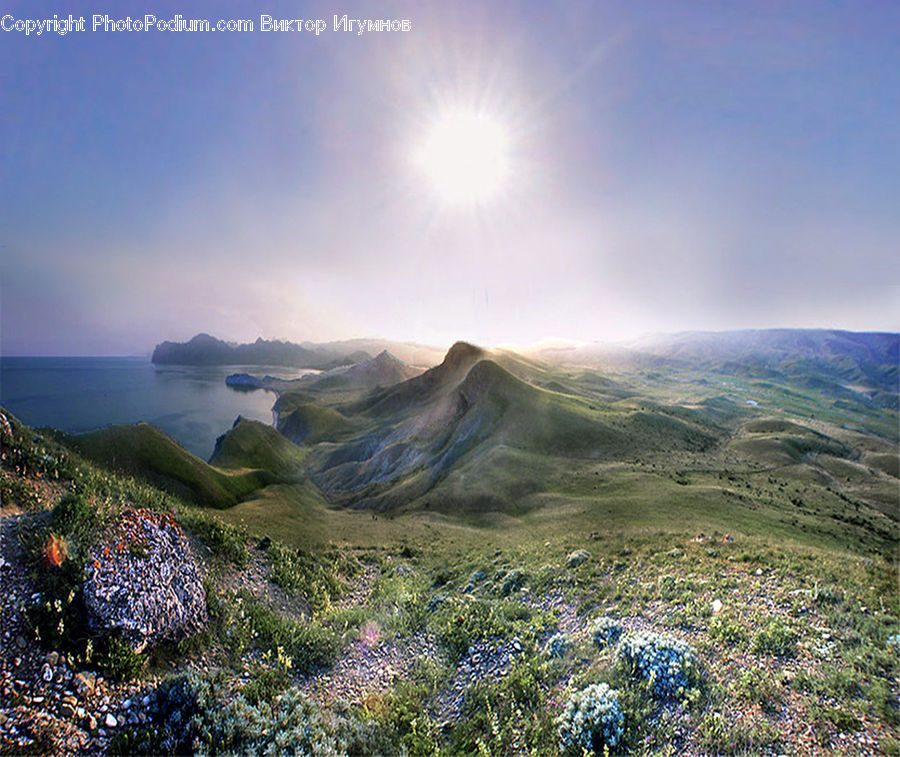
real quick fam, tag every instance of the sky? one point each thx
(705, 165)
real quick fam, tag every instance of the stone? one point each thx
(111, 721)
(716, 606)
(47, 673)
(85, 683)
(142, 582)
(577, 557)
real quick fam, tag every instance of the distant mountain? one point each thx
(841, 363)
(772, 346)
(409, 352)
(204, 349)
(381, 371)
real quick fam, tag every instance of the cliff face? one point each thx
(204, 349)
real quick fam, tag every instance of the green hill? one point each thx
(146, 452)
(251, 444)
(469, 405)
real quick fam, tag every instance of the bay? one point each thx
(192, 404)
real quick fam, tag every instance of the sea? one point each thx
(192, 404)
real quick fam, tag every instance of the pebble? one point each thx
(47, 673)
(111, 721)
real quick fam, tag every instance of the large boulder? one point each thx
(142, 582)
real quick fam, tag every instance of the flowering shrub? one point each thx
(605, 631)
(557, 645)
(669, 665)
(189, 714)
(591, 720)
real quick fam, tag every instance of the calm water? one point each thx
(191, 404)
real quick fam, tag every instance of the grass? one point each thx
(145, 452)
(256, 446)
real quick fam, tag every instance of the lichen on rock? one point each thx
(142, 582)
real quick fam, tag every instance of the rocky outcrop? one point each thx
(142, 582)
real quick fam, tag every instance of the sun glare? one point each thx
(464, 155)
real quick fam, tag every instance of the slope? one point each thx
(424, 428)
(251, 444)
(146, 452)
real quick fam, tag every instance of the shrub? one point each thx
(309, 645)
(557, 645)
(727, 629)
(758, 686)
(591, 720)
(74, 516)
(268, 684)
(513, 581)
(120, 660)
(461, 623)
(732, 736)
(494, 719)
(315, 576)
(776, 638)
(224, 541)
(577, 557)
(189, 715)
(669, 665)
(605, 631)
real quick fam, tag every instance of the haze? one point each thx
(670, 166)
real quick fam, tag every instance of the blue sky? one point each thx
(698, 165)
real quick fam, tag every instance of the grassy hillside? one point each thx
(254, 445)
(146, 452)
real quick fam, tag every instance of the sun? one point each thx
(465, 157)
